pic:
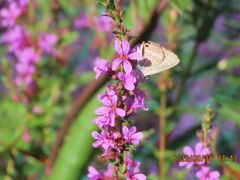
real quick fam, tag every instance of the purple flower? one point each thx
(139, 101)
(27, 55)
(133, 169)
(105, 139)
(131, 136)
(93, 174)
(103, 23)
(199, 150)
(128, 80)
(9, 15)
(110, 108)
(101, 67)
(47, 42)
(83, 21)
(123, 50)
(16, 38)
(205, 174)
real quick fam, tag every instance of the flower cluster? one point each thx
(26, 50)
(120, 101)
(203, 171)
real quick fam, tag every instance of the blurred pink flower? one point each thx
(199, 150)
(103, 23)
(83, 21)
(123, 50)
(28, 55)
(16, 38)
(47, 42)
(101, 67)
(205, 174)
(9, 15)
(37, 110)
(27, 136)
(131, 135)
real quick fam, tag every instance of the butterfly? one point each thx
(156, 58)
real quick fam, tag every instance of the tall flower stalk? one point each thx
(120, 101)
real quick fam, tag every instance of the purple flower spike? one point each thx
(101, 67)
(123, 49)
(131, 136)
(205, 174)
(128, 80)
(199, 150)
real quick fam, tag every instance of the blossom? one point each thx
(123, 51)
(16, 38)
(28, 55)
(27, 136)
(110, 108)
(83, 21)
(128, 80)
(93, 174)
(9, 15)
(103, 23)
(139, 101)
(47, 42)
(101, 67)
(105, 139)
(199, 150)
(205, 174)
(133, 169)
(130, 135)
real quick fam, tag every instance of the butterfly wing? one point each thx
(157, 59)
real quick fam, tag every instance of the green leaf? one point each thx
(76, 151)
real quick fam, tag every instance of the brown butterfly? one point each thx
(156, 58)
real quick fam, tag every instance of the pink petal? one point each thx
(116, 63)
(135, 55)
(120, 112)
(127, 66)
(96, 135)
(189, 165)
(125, 131)
(181, 164)
(125, 47)
(92, 171)
(129, 86)
(198, 148)
(138, 136)
(214, 174)
(4, 12)
(118, 47)
(139, 176)
(106, 101)
(188, 150)
(102, 110)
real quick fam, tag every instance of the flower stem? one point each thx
(162, 126)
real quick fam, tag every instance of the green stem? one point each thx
(162, 126)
